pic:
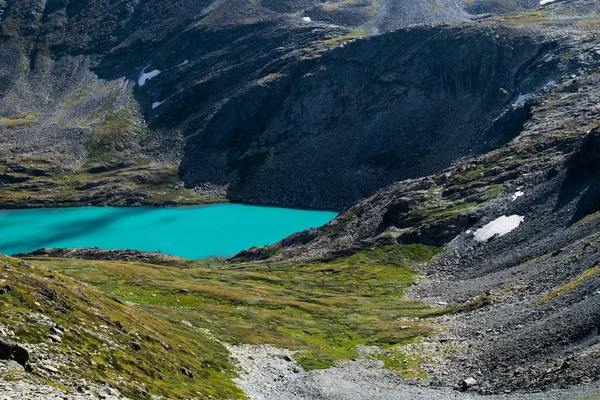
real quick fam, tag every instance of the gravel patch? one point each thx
(269, 373)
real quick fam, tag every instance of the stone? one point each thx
(185, 371)
(50, 368)
(135, 345)
(468, 383)
(10, 350)
(55, 338)
(26, 264)
(57, 331)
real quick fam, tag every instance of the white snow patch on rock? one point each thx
(498, 227)
(517, 195)
(184, 63)
(306, 19)
(146, 76)
(157, 104)
(522, 98)
(546, 2)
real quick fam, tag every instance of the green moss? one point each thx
(324, 309)
(403, 365)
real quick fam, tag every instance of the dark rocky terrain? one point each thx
(465, 130)
(248, 90)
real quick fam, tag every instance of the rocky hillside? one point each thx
(239, 93)
(520, 228)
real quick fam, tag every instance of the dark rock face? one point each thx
(377, 111)
(10, 350)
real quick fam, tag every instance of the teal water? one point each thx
(191, 232)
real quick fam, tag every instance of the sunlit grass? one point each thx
(324, 309)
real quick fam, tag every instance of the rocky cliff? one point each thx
(240, 94)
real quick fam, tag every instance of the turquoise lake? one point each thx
(191, 232)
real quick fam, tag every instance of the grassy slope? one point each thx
(324, 309)
(97, 344)
(152, 184)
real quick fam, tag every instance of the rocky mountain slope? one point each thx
(239, 92)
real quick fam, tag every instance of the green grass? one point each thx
(406, 366)
(443, 210)
(112, 135)
(323, 309)
(573, 284)
(101, 327)
(357, 33)
(160, 183)
(16, 122)
(527, 18)
(585, 219)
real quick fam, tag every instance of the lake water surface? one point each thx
(191, 232)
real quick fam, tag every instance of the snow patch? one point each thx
(550, 83)
(157, 104)
(146, 76)
(543, 2)
(184, 63)
(522, 98)
(517, 195)
(306, 19)
(498, 227)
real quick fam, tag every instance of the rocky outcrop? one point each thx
(99, 254)
(371, 113)
(10, 350)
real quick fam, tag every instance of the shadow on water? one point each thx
(166, 220)
(7, 225)
(68, 230)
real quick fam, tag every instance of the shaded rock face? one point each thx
(499, 6)
(252, 95)
(10, 350)
(376, 111)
